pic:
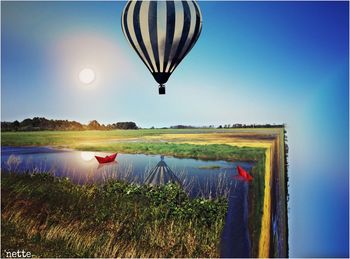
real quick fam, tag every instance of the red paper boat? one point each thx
(243, 174)
(106, 159)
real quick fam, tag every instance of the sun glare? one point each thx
(87, 76)
(87, 156)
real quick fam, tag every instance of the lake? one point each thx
(198, 177)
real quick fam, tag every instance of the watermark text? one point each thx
(17, 254)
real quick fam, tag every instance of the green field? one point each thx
(132, 142)
(71, 138)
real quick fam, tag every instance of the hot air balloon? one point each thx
(162, 33)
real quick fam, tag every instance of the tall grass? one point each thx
(208, 187)
(115, 219)
(255, 199)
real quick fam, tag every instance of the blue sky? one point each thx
(255, 62)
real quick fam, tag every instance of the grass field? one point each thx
(55, 218)
(209, 144)
(73, 138)
(175, 142)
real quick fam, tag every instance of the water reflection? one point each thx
(161, 174)
(198, 177)
(101, 166)
(87, 156)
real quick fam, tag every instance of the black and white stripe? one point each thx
(162, 33)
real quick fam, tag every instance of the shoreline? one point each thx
(104, 149)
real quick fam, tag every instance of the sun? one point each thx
(87, 76)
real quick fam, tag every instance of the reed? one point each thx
(53, 217)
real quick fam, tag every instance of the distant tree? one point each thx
(37, 122)
(182, 127)
(16, 125)
(220, 127)
(26, 123)
(6, 126)
(237, 125)
(76, 126)
(122, 125)
(126, 125)
(94, 125)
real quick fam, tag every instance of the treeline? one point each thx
(183, 127)
(37, 124)
(238, 125)
(228, 126)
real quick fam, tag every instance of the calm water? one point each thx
(197, 176)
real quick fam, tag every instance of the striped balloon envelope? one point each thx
(162, 33)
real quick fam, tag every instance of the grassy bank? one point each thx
(133, 142)
(205, 152)
(51, 217)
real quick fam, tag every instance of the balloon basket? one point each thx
(161, 89)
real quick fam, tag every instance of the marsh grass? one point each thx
(13, 162)
(209, 167)
(54, 217)
(214, 186)
(211, 186)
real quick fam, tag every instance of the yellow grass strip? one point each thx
(264, 242)
(255, 144)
